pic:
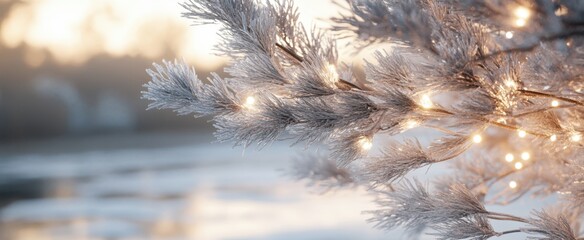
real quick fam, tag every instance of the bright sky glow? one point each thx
(73, 31)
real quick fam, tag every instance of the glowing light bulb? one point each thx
(518, 165)
(520, 22)
(553, 138)
(521, 133)
(522, 13)
(525, 156)
(426, 102)
(513, 184)
(509, 35)
(477, 138)
(555, 103)
(576, 137)
(510, 83)
(509, 157)
(365, 143)
(249, 102)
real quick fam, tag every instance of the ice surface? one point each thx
(168, 186)
(199, 191)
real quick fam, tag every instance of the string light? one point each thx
(555, 103)
(477, 138)
(521, 133)
(365, 143)
(518, 165)
(522, 12)
(509, 35)
(576, 137)
(510, 83)
(553, 138)
(509, 157)
(513, 184)
(426, 102)
(525, 156)
(520, 22)
(249, 102)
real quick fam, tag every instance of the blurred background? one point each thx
(80, 158)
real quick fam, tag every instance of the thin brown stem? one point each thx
(345, 85)
(504, 216)
(541, 110)
(511, 127)
(510, 231)
(505, 202)
(290, 52)
(528, 48)
(439, 110)
(504, 175)
(488, 121)
(342, 84)
(549, 95)
(494, 180)
(444, 130)
(377, 124)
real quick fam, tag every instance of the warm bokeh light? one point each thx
(518, 165)
(72, 32)
(521, 133)
(365, 143)
(522, 12)
(509, 35)
(513, 184)
(477, 138)
(250, 102)
(426, 102)
(555, 103)
(553, 138)
(520, 22)
(510, 83)
(525, 156)
(509, 157)
(576, 137)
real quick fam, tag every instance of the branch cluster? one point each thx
(501, 82)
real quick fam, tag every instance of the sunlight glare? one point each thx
(108, 27)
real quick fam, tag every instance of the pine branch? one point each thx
(475, 71)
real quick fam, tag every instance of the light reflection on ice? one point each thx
(189, 192)
(183, 191)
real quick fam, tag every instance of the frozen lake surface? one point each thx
(169, 186)
(176, 186)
